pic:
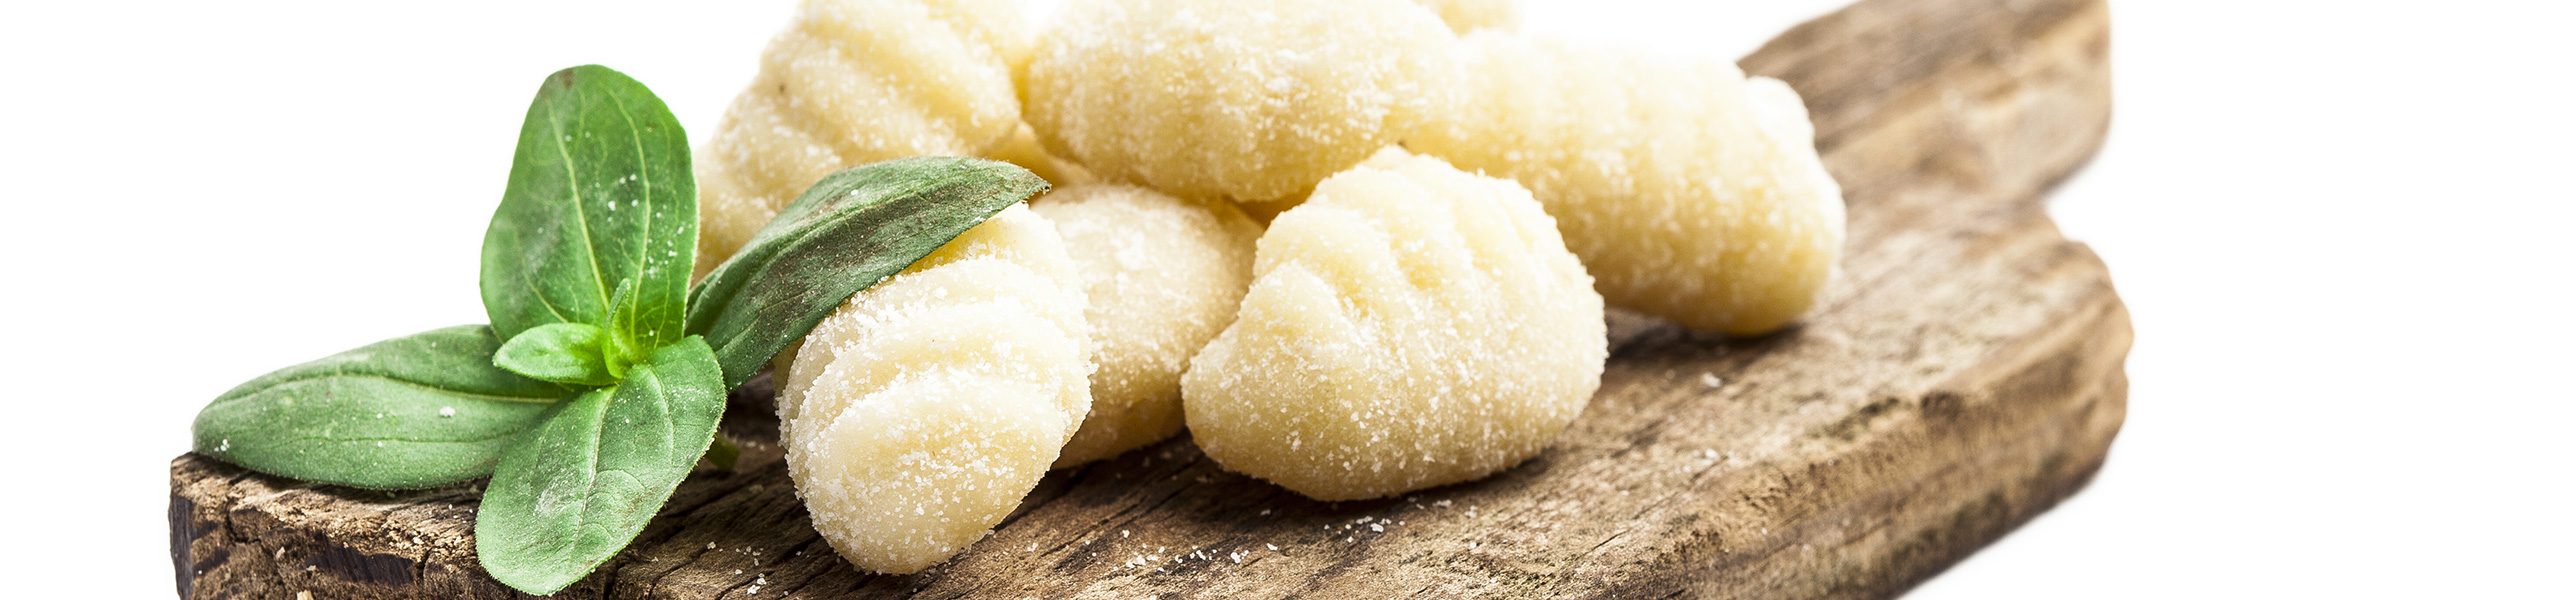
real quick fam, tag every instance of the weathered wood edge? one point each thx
(1966, 376)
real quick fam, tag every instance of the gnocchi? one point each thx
(1691, 192)
(1242, 100)
(920, 412)
(1410, 325)
(1162, 275)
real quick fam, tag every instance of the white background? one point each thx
(2332, 222)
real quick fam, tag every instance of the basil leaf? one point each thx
(571, 353)
(854, 228)
(410, 412)
(624, 339)
(601, 192)
(573, 490)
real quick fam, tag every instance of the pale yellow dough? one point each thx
(1245, 100)
(851, 82)
(920, 412)
(1163, 276)
(1409, 326)
(1690, 192)
(1469, 15)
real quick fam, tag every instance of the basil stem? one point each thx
(410, 412)
(723, 453)
(854, 228)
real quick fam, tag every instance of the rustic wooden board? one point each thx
(1965, 374)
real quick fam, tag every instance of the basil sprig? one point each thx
(584, 267)
(600, 380)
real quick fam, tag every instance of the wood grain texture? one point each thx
(1964, 373)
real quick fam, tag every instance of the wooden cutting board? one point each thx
(1964, 373)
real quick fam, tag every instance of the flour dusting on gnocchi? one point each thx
(1245, 100)
(1409, 326)
(920, 412)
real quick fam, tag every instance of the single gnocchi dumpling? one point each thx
(1163, 275)
(1409, 326)
(1469, 15)
(1243, 100)
(1691, 192)
(920, 412)
(852, 82)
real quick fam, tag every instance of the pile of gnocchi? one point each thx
(1357, 247)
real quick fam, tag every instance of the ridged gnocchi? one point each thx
(1410, 325)
(1162, 275)
(920, 412)
(1242, 100)
(851, 82)
(1412, 317)
(1691, 192)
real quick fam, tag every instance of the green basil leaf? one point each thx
(410, 412)
(573, 490)
(625, 340)
(601, 192)
(854, 228)
(571, 353)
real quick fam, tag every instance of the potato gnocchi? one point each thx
(1244, 100)
(851, 82)
(920, 412)
(1409, 326)
(1690, 192)
(1402, 323)
(1162, 275)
